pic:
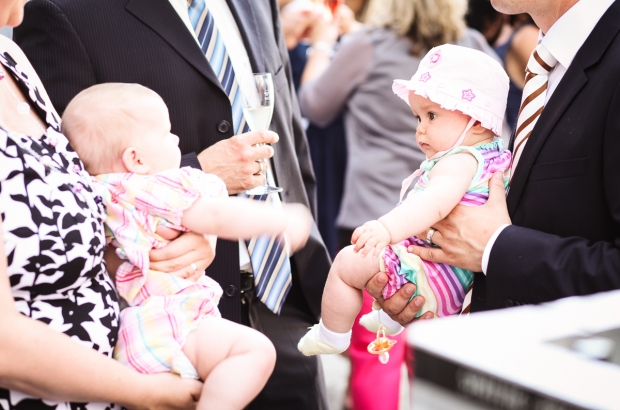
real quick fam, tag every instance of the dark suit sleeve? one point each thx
(299, 134)
(529, 266)
(46, 34)
(190, 160)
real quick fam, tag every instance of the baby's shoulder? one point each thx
(458, 164)
(206, 184)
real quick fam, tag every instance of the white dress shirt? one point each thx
(563, 41)
(230, 34)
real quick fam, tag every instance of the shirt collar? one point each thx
(567, 35)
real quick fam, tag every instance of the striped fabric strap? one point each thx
(268, 255)
(541, 62)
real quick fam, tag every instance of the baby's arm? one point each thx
(234, 218)
(448, 182)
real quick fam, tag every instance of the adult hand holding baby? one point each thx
(170, 391)
(462, 237)
(235, 160)
(465, 232)
(177, 257)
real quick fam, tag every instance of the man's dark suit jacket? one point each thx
(564, 200)
(72, 46)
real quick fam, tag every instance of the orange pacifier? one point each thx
(381, 346)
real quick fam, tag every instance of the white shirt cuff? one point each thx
(487, 249)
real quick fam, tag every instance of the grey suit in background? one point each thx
(380, 127)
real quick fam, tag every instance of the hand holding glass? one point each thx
(257, 104)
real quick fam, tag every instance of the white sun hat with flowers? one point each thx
(463, 79)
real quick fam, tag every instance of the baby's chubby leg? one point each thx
(227, 355)
(342, 297)
(342, 301)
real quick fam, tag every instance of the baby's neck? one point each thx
(480, 141)
(474, 139)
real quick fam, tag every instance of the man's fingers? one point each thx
(396, 305)
(408, 314)
(437, 238)
(375, 286)
(428, 254)
(262, 152)
(497, 191)
(426, 316)
(260, 137)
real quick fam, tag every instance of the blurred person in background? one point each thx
(326, 142)
(357, 79)
(513, 38)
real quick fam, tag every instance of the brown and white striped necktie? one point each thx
(532, 103)
(534, 94)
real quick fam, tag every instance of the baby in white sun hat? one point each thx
(459, 97)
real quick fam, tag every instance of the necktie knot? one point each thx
(541, 61)
(533, 100)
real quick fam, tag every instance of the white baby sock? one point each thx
(391, 326)
(371, 321)
(340, 341)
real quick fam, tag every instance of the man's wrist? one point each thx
(486, 254)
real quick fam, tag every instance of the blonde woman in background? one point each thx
(380, 136)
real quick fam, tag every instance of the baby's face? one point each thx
(159, 148)
(438, 128)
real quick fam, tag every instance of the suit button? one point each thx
(231, 290)
(223, 126)
(509, 303)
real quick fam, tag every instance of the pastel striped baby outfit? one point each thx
(163, 309)
(443, 286)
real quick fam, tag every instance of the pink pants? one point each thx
(374, 385)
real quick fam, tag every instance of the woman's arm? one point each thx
(327, 83)
(448, 182)
(42, 362)
(234, 218)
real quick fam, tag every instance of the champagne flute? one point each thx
(257, 104)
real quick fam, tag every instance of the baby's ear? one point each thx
(133, 162)
(478, 128)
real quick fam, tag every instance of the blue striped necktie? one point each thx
(270, 260)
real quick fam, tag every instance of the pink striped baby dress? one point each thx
(443, 286)
(163, 309)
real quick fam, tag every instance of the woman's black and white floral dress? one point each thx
(54, 240)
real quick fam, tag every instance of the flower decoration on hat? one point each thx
(468, 95)
(435, 58)
(456, 72)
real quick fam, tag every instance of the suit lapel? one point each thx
(573, 81)
(161, 17)
(244, 13)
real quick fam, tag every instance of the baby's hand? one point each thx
(370, 235)
(299, 225)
